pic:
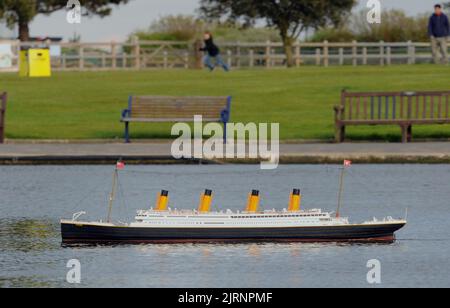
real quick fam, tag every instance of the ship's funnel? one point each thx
(205, 201)
(253, 202)
(295, 201)
(163, 201)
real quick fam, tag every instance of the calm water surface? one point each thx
(34, 199)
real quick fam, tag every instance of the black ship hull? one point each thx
(79, 233)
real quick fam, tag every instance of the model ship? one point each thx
(293, 224)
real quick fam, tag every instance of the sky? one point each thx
(139, 14)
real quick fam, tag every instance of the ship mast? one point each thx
(119, 165)
(347, 163)
(341, 188)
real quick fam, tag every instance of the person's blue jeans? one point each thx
(208, 60)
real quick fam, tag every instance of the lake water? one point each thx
(34, 199)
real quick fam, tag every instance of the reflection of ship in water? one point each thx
(27, 235)
(163, 225)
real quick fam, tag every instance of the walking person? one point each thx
(439, 31)
(212, 53)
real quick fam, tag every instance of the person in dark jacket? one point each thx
(212, 53)
(439, 31)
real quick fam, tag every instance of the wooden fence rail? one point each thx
(137, 55)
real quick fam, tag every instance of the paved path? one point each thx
(290, 153)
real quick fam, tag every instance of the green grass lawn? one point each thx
(88, 105)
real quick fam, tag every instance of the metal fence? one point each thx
(138, 55)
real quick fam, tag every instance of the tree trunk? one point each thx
(289, 53)
(24, 31)
(287, 44)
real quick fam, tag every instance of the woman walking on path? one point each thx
(212, 53)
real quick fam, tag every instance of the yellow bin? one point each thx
(23, 63)
(39, 63)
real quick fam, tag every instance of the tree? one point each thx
(290, 17)
(22, 12)
(397, 26)
(189, 28)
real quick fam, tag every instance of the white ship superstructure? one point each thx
(230, 219)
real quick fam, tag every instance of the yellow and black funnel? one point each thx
(295, 201)
(205, 202)
(163, 201)
(253, 202)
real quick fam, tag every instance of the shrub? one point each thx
(187, 28)
(396, 26)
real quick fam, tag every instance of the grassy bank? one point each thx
(87, 105)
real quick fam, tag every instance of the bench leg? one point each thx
(127, 132)
(409, 133)
(340, 133)
(2, 126)
(406, 133)
(225, 136)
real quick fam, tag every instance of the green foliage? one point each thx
(22, 12)
(188, 28)
(396, 26)
(290, 17)
(181, 27)
(87, 105)
(235, 33)
(150, 36)
(172, 28)
(13, 10)
(339, 35)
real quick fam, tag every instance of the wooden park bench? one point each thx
(161, 109)
(392, 108)
(3, 98)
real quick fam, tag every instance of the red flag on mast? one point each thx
(120, 165)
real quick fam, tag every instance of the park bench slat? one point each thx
(432, 108)
(372, 106)
(161, 109)
(402, 105)
(380, 104)
(424, 111)
(350, 110)
(358, 107)
(447, 106)
(365, 108)
(392, 108)
(439, 106)
(386, 114)
(417, 106)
